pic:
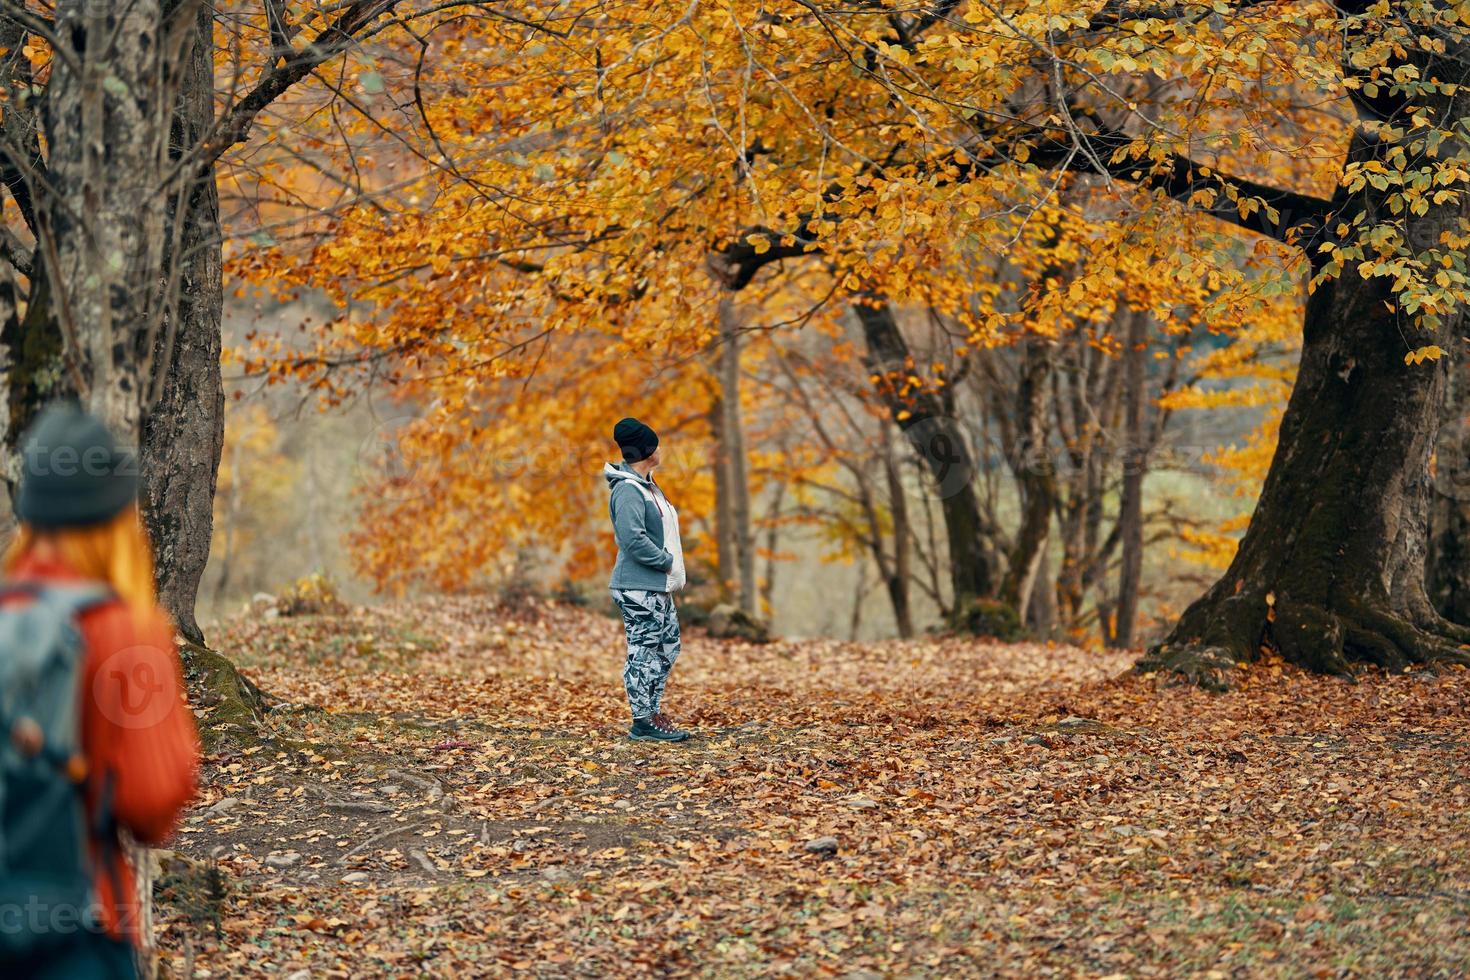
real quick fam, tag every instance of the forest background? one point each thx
(990, 315)
(1176, 381)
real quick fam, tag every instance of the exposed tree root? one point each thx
(1214, 638)
(1433, 622)
(1200, 666)
(1210, 641)
(230, 707)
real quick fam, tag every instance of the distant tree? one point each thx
(110, 265)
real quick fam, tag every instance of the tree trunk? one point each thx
(773, 542)
(1331, 569)
(897, 577)
(1030, 461)
(732, 433)
(724, 517)
(1135, 465)
(1448, 579)
(1086, 401)
(1041, 614)
(125, 292)
(859, 600)
(183, 432)
(934, 433)
(34, 371)
(103, 223)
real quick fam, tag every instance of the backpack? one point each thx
(46, 893)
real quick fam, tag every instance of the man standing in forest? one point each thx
(649, 570)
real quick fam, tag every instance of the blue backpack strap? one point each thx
(76, 596)
(36, 630)
(14, 588)
(73, 597)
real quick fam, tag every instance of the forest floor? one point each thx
(445, 789)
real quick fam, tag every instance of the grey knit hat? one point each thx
(72, 471)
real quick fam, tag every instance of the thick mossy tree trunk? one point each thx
(1331, 569)
(103, 221)
(144, 344)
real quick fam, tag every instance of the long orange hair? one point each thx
(115, 552)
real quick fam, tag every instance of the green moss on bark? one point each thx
(230, 708)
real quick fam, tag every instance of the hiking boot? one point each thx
(652, 730)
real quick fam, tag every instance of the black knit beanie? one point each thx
(72, 472)
(636, 440)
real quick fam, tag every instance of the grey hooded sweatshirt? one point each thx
(647, 528)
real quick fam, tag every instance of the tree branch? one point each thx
(329, 42)
(1300, 219)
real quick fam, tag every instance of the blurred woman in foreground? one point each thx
(79, 579)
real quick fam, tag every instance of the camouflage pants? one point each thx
(652, 625)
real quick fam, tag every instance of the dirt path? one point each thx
(930, 808)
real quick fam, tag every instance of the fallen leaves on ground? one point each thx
(445, 788)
